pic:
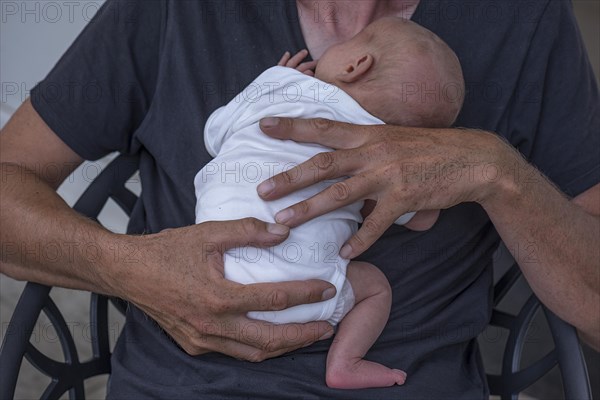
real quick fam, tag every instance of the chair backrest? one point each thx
(566, 354)
(71, 374)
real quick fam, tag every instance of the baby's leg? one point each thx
(358, 331)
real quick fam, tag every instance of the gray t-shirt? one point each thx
(142, 79)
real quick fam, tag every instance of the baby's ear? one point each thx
(357, 69)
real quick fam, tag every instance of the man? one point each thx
(174, 60)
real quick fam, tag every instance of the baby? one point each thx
(379, 75)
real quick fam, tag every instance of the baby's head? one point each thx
(399, 71)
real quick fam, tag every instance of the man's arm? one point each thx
(556, 242)
(526, 209)
(175, 276)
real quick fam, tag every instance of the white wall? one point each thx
(33, 35)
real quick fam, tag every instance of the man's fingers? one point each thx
(337, 135)
(256, 341)
(225, 235)
(372, 229)
(272, 340)
(338, 195)
(323, 166)
(281, 295)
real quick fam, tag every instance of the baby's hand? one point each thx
(307, 68)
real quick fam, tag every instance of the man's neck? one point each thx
(328, 22)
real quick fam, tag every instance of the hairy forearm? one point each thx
(555, 242)
(44, 240)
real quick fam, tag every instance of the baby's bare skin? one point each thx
(358, 331)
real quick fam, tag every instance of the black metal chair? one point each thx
(71, 374)
(567, 353)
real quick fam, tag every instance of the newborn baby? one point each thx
(370, 79)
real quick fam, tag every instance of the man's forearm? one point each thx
(554, 241)
(44, 240)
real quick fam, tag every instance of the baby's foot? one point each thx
(361, 374)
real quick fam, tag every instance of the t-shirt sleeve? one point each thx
(100, 90)
(555, 120)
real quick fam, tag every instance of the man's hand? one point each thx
(402, 169)
(295, 62)
(177, 278)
